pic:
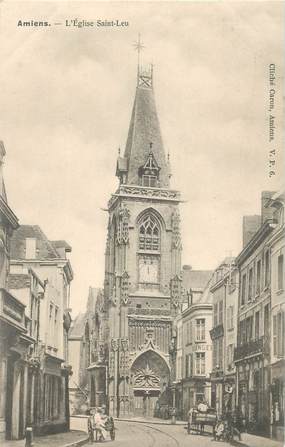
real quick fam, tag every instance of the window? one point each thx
(200, 363)
(215, 314)
(266, 320)
(220, 352)
(279, 334)
(215, 358)
(221, 306)
(179, 368)
(257, 325)
(149, 234)
(149, 181)
(248, 329)
(243, 285)
(230, 317)
(230, 356)
(266, 267)
(258, 276)
(280, 272)
(189, 365)
(31, 248)
(242, 332)
(250, 284)
(52, 397)
(179, 337)
(189, 332)
(275, 335)
(200, 329)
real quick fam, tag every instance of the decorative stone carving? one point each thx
(125, 288)
(123, 225)
(146, 378)
(175, 286)
(149, 192)
(141, 192)
(115, 344)
(176, 235)
(125, 344)
(111, 365)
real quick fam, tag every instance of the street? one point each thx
(150, 435)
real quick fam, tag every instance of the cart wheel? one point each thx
(112, 435)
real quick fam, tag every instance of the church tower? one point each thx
(142, 285)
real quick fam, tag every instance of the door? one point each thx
(145, 402)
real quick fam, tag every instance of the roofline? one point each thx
(9, 214)
(259, 236)
(219, 283)
(195, 306)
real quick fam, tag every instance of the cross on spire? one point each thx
(139, 47)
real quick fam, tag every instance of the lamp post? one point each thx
(173, 412)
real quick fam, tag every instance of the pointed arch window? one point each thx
(149, 234)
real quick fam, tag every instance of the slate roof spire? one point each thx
(144, 136)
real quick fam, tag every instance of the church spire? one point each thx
(144, 139)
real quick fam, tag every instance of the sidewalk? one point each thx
(69, 439)
(250, 440)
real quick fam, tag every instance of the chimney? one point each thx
(266, 211)
(250, 226)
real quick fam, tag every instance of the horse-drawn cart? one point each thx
(200, 419)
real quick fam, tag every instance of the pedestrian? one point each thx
(190, 420)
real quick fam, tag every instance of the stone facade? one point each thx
(15, 335)
(197, 351)
(223, 333)
(142, 288)
(40, 276)
(252, 354)
(277, 345)
(87, 347)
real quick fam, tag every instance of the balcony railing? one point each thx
(217, 331)
(253, 347)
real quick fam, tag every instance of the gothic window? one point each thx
(149, 234)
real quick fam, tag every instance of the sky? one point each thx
(65, 106)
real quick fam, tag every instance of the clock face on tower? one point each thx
(148, 269)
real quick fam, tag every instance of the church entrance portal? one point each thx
(149, 379)
(145, 402)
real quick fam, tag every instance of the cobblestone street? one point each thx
(163, 435)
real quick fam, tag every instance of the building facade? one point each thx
(252, 354)
(15, 331)
(87, 347)
(277, 251)
(142, 288)
(40, 277)
(197, 351)
(224, 336)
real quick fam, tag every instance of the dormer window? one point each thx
(149, 181)
(149, 172)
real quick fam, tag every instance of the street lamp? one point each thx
(173, 412)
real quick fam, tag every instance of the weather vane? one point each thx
(139, 47)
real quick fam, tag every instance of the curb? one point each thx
(77, 443)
